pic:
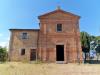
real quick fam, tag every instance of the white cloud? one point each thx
(1, 34)
(5, 43)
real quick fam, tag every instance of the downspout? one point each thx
(77, 37)
(37, 44)
(46, 40)
(46, 44)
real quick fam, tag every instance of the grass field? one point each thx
(18, 68)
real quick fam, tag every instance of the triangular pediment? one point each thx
(58, 14)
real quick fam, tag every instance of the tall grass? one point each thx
(19, 68)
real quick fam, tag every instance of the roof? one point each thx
(58, 10)
(25, 29)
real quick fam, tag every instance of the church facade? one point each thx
(57, 40)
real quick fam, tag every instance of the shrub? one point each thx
(3, 54)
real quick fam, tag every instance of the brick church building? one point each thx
(57, 40)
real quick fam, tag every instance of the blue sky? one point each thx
(24, 13)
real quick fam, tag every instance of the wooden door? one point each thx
(32, 54)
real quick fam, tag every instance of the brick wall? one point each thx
(17, 43)
(69, 37)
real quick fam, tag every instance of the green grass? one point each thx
(18, 68)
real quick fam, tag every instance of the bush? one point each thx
(3, 54)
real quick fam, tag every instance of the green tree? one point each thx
(93, 38)
(97, 37)
(3, 54)
(93, 42)
(98, 51)
(85, 41)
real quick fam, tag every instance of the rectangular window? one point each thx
(59, 27)
(22, 51)
(24, 36)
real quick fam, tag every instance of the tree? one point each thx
(3, 54)
(98, 51)
(93, 38)
(97, 37)
(85, 41)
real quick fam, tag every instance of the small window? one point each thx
(22, 51)
(59, 27)
(24, 36)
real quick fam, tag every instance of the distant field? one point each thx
(17, 68)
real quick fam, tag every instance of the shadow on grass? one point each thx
(94, 61)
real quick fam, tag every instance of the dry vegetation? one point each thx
(17, 68)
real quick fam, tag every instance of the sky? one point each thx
(24, 14)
